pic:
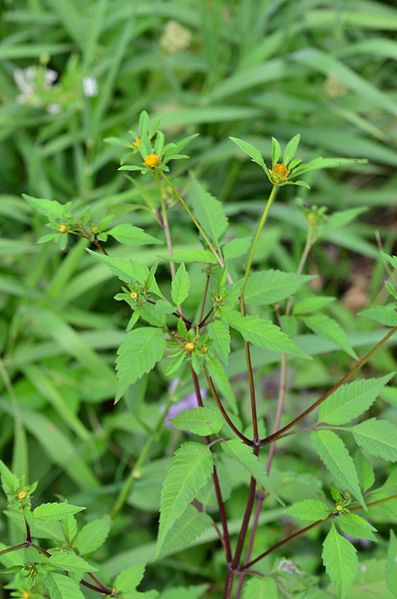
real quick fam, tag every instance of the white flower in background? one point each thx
(90, 87)
(30, 81)
(50, 77)
(175, 37)
(24, 78)
(54, 108)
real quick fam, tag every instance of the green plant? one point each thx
(194, 351)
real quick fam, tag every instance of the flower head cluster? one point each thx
(90, 87)
(175, 37)
(187, 344)
(342, 500)
(148, 152)
(32, 82)
(282, 172)
(286, 169)
(41, 87)
(64, 221)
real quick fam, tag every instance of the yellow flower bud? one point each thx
(134, 295)
(339, 507)
(189, 346)
(62, 228)
(279, 173)
(312, 218)
(22, 495)
(26, 595)
(204, 349)
(152, 161)
(137, 142)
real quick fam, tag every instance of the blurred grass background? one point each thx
(73, 73)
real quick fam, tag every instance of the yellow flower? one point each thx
(189, 346)
(26, 595)
(339, 507)
(137, 142)
(22, 495)
(62, 228)
(279, 173)
(152, 161)
(134, 295)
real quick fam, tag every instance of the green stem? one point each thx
(193, 218)
(261, 224)
(255, 442)
(165, 226)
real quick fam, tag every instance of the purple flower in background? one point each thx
(357, 541)
(188, 402)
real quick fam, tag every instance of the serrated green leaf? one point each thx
(180, 285)
(312, 304)
(291, 149)
(342, 218)
(236, 248)
(299, 184)
(222, 382)
(340, 561)
(208, 210)
(378, 437)
(391, 565)
(250, 150)
(271, 286)
(63, 587)
(263, 333)
(219, 333)
(193, 255)
(327, 327)
(333, 453)
(189, 526)
(9, 480)
(70, 562)
(51, 209)
(56, 511)
(386, 315)
(130, 235)
(92, 536)
(355, 526)
(321, 163)
(126, 270)
(138, 353)
(308, 510)
(201, 421)
(117, 141)
(129, 578)
(190, 469)
(276, 151)
(261, 588)
(351, 400)
(365, 472)
(154, 314)
(244, 455)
